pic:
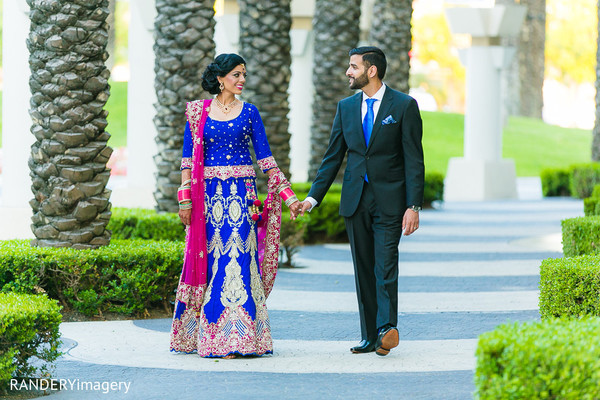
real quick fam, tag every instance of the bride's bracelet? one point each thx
(288, 196)
(184, 196)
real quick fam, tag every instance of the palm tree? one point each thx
(183, 46)
(524, 78)
(390, 32)
(336, 31)
(596, 131)
(265, 45)
(531, 57)
(69, 88)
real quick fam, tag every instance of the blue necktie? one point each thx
(368, 121)
(368, 124)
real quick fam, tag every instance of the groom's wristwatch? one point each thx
(415, 208)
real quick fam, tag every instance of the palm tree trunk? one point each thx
(390, 32)
(596, 130)
(265, 44)
(69, 88)
(531, 58)
(336, 31)
(183, 46)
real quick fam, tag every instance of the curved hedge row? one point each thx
(126, 276)
(323, 224)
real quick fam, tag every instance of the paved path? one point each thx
(471, 267)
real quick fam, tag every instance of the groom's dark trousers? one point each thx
(373, 210)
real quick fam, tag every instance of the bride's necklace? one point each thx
(226, 108)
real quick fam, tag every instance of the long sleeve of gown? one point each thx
(264, 157)
(188, 147)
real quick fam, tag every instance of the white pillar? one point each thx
(483, 131)
(482, 174)
(141, 97)
(16, 123)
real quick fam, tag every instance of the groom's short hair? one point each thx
(372, 55)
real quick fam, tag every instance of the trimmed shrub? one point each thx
(28, 330)
(583, 179)
(591, 205)
(556, 182)
(325, 223)
(569, 287)
(581, 235)
(434, 188)
(557, 359)
(126, 277)
(139, 223)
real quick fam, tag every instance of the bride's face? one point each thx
(234, 81)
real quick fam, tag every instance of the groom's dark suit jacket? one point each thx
(393, 160)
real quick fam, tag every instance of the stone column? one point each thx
(16, 138)
(482, 174)
(141, 97)
(301, 88)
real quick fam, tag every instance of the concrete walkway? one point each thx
(470, 267)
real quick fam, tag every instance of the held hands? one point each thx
(410, 222)
(295, 209)
(299, 208)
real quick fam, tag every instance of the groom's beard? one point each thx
(359, 82)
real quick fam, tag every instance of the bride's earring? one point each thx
(221, 86)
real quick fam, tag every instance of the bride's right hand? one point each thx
(186, 216)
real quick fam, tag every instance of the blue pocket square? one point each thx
(388, 120)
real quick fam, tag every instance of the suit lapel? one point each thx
(384, 109)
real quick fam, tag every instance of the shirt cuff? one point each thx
(312, 202)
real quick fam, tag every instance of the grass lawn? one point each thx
(117, 114)
(533, 144)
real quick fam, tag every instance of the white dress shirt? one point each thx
(377, 96)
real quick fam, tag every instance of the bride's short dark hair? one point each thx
(221, 66)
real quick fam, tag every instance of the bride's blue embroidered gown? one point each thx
(233, 317)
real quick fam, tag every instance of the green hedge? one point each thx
(591, 205)
(125, 277)
(581, 235)
(570, 287)
(434, 188)
(583, 179)
(323, 224)
(556, 181)
(28, 330)
(556, 359)
(139, 223)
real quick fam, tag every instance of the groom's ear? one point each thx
(372, 71)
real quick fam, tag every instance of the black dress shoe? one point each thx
(365, 346)
(388, 339)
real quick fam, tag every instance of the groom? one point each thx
(380, 129)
